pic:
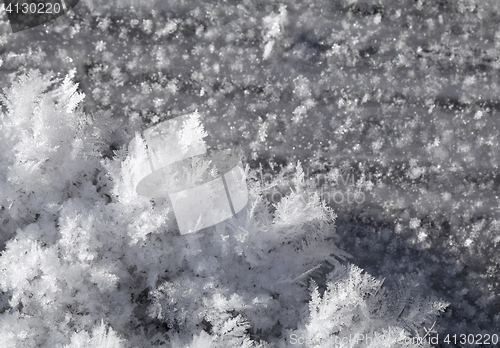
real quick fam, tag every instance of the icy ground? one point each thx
(398, 100)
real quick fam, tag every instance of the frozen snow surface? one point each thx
(392, 108)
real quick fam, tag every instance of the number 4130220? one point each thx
(478, 339)
(34, 8)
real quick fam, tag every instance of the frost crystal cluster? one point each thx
(86, 251)
(369, 132)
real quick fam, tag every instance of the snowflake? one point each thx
(414, 223)
(104, 24)
(446, 196)
(422, 235)
(147, 26)
(100, 46)
(469, 80)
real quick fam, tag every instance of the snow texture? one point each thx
(369, 132)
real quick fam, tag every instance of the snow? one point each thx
(394, 100)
